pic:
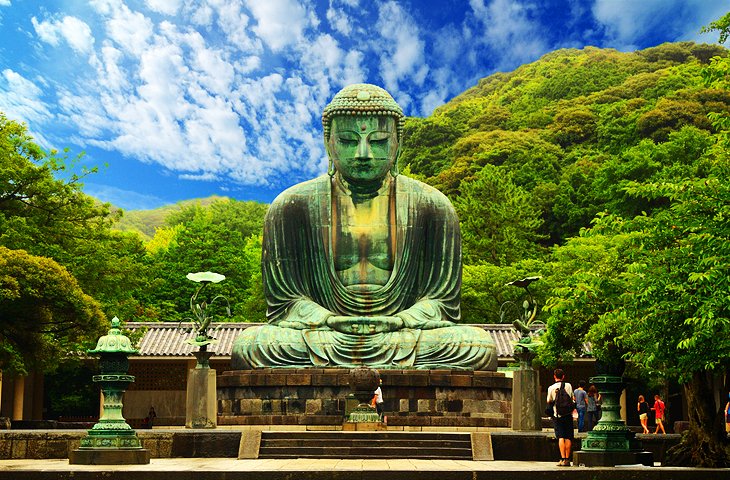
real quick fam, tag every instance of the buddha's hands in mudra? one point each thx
(365, 325)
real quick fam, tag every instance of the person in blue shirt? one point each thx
(579, 395)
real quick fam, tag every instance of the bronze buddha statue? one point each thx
(363, 266)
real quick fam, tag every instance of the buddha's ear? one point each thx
(331, 164)
(394, 171)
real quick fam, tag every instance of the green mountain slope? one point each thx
(145, 222)
(560, 128)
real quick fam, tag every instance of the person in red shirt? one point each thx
(659, 414)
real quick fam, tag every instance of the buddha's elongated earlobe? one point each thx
(394, 171)
(331, 165)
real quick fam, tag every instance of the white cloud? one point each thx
(202, 15)
(403, 49)
(110, 70)
(4, 3)
(202, 177)
(235, 25)
(509, 32)
(339, 20)
(168, 7)
(131, 31)
(626, 21)
(280, 23)
(20, 100)
(74, 31)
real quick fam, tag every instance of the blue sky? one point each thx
(178, 99)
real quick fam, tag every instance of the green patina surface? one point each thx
(611, 433)
(112, 430)
(363, 266)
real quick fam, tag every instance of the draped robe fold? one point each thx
(302, 289)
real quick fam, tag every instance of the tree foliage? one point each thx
(51, 217)
(44, 314)
(223, 237)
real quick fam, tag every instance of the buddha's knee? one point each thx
(461, 346)
(269, 346)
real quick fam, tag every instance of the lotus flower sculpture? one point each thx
(201, 316)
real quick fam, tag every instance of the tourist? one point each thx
(659, 409)
(591, 408)
(643, 408)
(151, 415)
(378, 400)
(563, 422)
(579, 396)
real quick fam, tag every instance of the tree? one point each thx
(223, 237)
(653, 290)
(499, 222)
(44, 314)
(679, 293)
(52, 217)
(721, 25)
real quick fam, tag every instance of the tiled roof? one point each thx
(165, 339)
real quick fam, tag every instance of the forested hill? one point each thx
(566, 128)
(145, 222)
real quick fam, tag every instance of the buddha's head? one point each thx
(362, 131)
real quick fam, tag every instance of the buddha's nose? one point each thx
(363, 149)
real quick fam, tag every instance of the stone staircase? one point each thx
(338, 444)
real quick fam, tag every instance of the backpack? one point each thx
(564, 404)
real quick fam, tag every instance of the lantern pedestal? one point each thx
(525, 394)
(611, 442)
(201, 402)
(363, 382)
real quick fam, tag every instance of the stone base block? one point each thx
(318, 396)
(611, 459)
(200, 409)
(363, 426)
(111, 456)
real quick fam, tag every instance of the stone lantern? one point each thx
(111, 441)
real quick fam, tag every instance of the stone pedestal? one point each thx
(111, 456)
(316, 396)
(201, 403)
(611, 442)
(526, 413)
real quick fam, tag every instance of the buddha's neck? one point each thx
(363, 191)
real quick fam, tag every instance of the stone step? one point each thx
(365, 452)
(371, 443)
(438, 445)
(380, 435)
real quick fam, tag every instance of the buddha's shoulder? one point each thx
(303, 193)
(424, 192)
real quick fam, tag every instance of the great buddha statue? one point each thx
(362, 266)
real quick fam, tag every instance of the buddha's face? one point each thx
(363, 148)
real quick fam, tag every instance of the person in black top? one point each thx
(643, 408)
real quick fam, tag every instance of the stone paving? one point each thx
(300, 464)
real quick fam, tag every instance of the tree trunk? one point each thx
(704, 444)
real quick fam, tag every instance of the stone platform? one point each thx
(316, 469)
(226, 442)
(314, 396)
